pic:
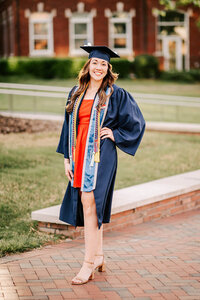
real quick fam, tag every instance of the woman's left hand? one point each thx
(107, 133)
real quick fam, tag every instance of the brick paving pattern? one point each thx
(154, 260)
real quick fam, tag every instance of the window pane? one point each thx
(166, 30)
(181, 31)
(80, 42)
(40, 28)
(172, 55)
(119, 27)
(120, 43)
(159, 46)
(81, 28)
(173, 30)
(40, 44)
(172, 16)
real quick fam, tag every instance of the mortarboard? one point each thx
(102, 52)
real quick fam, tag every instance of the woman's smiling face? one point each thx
(98, 68)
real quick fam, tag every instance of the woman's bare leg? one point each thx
(100, 241)
(90, 225)
(99, 259)
(90, 232)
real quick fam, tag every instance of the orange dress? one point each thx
(84, 119)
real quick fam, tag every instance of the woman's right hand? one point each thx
(68, 172)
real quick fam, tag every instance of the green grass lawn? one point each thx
(136, 85)
(32, 177)
(165, 113)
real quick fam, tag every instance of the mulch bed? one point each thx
(17, 125)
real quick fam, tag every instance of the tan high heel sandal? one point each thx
(84, 280)
(102, 266)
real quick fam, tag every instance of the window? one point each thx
(172, 40)
(171, 24)
(81, 31)
(120, 32)
(41, 34)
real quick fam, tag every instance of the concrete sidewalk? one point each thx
(154, 126)
(155, 260)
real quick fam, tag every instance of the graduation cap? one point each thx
(102, 52)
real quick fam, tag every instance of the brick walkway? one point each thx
(155, 260)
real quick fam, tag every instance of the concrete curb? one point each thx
(136, 196)
(153, 126)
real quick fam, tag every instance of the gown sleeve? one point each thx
(131, 124)
(63, 143)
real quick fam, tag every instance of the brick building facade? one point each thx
(58, 28)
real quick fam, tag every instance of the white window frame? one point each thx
(48, 19)
(128, 35)
(184, 24)
(88, 20)
(177, 39)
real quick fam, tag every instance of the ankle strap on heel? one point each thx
(89, 262)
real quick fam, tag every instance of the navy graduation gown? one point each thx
(127, 123)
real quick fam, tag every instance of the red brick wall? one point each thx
(157, 210)
(24, 29)
(194, 40)
(3, 7)
(151, 29)
(145, 213)
(143, 25)
(100, 22)
(1, 37)
(61, 34)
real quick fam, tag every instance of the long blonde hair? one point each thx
(84, 78)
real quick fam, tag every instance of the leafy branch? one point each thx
(174, 5)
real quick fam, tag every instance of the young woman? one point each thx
(99, 116)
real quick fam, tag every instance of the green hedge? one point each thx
(42, 67)
(54, 67)
(181, 76)
(4, 67)
(69, 67)
(195, 73)
(122, 67)
(146, 66)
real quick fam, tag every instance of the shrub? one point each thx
(177, 76)
(38, 67)
(48, 68)
(122, 67)
(4, 67)
(41, 68)
(78, 63)
(146, 66)
(195, 73)
(54, 67)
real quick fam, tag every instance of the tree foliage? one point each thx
(170, 4)
(174, 5)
